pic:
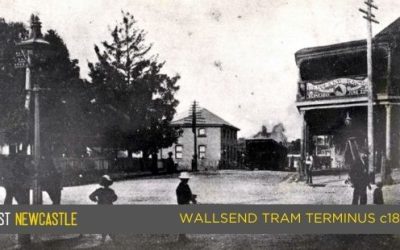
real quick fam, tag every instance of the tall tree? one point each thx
(63, 98)
(135, 100)
(13, 120)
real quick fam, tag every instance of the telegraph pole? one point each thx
(370, 114)
(194, 125)
(192, 120)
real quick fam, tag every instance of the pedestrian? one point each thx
(170, 164)
(104, 196)
(360, 181)
(291, 163)
(184, 197)
(50, 179)
(154, 163)
(16, 180)
(378, 194)
(309, 167)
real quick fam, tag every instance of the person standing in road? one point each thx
(170, 164)
(309, 167)
(184, 197)
(360, 179)
(183, 193)
(104, 196)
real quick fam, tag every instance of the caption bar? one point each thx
(202, 219)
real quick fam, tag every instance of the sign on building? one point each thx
(340, 87)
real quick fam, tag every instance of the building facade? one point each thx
(216, 143)
(332, 97)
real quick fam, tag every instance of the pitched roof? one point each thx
(206, 118)
(392, 30)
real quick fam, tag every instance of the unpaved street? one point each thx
(226, 187)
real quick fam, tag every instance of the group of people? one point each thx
(105, 195)
(17, 178)
(360, 180)
(358, 176)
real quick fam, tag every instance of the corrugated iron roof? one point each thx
(208, 119)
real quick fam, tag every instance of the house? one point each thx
(216, 142)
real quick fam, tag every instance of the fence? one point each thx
(78, 171)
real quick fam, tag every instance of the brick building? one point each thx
(216, 143)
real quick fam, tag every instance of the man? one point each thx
(170, 164)
(309, 168)
(184, 196)
(360, 179)
(50, 178)
(16, 180)
(183, 193)
(360, 184)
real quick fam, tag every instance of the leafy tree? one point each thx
(134, 100)
(13, 121)
(64, 100)
(62, 103)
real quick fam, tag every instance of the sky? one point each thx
(235, 57)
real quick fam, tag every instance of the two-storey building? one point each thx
(216, 142)
(332, 96)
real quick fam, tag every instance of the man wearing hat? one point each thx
(183, 193)
(184, 196)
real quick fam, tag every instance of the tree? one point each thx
(134, 100)
(63, 98)
(13, 120)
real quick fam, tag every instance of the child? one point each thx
(378, 194)
(184, 196)
(104, 196)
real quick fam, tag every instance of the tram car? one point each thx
(265, 154)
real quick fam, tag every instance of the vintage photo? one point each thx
(186, 102)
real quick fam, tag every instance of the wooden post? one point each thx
(371, 148)
(37, 192)
(303, 145)
(370, 131)
(386, 168)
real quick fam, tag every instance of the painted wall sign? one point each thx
(340, 87)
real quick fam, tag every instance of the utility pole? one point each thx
(194, 125)
(194, 119)
(370, 113)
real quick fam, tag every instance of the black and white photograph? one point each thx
(187, 102)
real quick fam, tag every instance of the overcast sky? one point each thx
(236, 57)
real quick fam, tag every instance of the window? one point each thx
(178, 151)
(202, 151)
(322, 144)
(202, 132)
